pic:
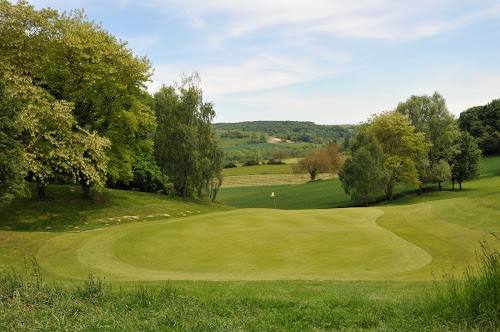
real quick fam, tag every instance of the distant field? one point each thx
(257, 170)
(264, 146)
(270, 180)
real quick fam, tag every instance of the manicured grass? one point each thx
(312, 195)
(245, 245)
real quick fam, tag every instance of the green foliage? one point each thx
(185, 145)
(466, 163)
(483, 123)
(429, 115)
(78, 63)
(292, 130)
(363, 174)
(10, 148)
(402, 147)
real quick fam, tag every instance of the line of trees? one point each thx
(417, 143)
(75, 109)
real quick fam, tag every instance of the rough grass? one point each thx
(31, 303)
(257, 170)
(269, 180)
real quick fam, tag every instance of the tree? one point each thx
(279, 155)
(328, 159)
(75, 60)
(335, 156)
(466, 163)
(89, 161)
(429, 115)
(186, 148)
(483, 123)
(402, 147)
(364, 175)
(10, 148)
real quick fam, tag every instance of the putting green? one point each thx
(251, 244)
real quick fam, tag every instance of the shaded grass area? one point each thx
(66, 210)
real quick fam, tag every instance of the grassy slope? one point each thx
(433, 222)
(67, 211)
(312, 195)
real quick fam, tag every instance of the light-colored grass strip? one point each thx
(270, 180)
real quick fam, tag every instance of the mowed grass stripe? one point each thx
(239, 245)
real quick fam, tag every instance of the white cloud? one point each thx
(387, 19)
(262, 72)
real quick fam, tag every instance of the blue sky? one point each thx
(326, 61)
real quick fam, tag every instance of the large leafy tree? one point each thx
(402, 146)
(328, 159)
(10, 147)
(185, 145)
(429, 115)
(363, 174)
(466, 163)
(483, 123)
(77, 61)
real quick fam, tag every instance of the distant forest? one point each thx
(300, 131)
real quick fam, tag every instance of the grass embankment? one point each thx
(66, 210)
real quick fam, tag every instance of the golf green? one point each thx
(251, 244)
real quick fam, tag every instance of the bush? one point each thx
(275, 162)
(230, 164)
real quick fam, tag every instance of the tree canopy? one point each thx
(483, 123)
(363, 174)
(185, 145)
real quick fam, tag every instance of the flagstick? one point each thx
(274, 198)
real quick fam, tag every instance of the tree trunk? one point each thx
(389, 192)
(420, 190)
(452, 184)
(439, 183)
(85, 189)
(313, 175)
(366, 200)
(185, 186)
(40, 186)
(460, 183)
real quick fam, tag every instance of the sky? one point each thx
(325, 61)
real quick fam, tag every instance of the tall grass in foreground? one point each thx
(474, 301)
(28, 302)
